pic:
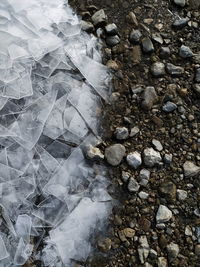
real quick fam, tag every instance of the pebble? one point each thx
(197, 250)
(190, 169)
(144, 174)
(151, 157)
(165, 52)
(185, 52)
(163, 214)
(181, 194)
(173, 70)
(157, 38)
(125, 176)
(111, 29)
(94, 153)
(134, 131)
(197, 77)
(114, 154)
(134, 159)
(150, 97)
(172, 251)
(143, 250)
(196, 88)
(113, 40)
(168, 190)
(168, 158)
(147, 45)
(158, 69)
(169, 107)
(157, 145)
(99, 17)
(111, 64)
(121, 133)
(129, 232)
(180, 23)
(143, 195)
(180, 3)
(135, 36)
(104, 244)
(162, 262)
(133, 185)
(87, 26)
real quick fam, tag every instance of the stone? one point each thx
(94, 153)
(169, 107)
(150, 97)
(132, 18)
(144, 174)
(136, 54)
(129, 232)
(188, 231)
(157, 145)
(133, 185)
(168, 158)
(87, 26)
(197, 76)
(197, 250)
(111, 29)
(151, 157)
(172, 251)
(162, 262)
(163, 214)
(135, 36)
(147, 45)
(134, 131)
(180, 23)
(180, 3)
(113, 40)
(157, 38)
(111, 64)
(196, 88)
(99, 17)
(168, 190)
(114, 154)
(121, 133)
(134, 159)
(190, 169)
(165, 52)
(175, 71)
(143, 195)
(185, 52)
(104, 244)
(143, 250)
(181, 194)
(125, 176)
(158, 69)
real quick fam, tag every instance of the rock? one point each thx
(157, 38)
(165, 52)
(111, 29)
(135, 36)
(196, 88)
(162, 262)
(163, 214)
(113, 40)
(172, 251)
(87, 26)
(144, 174)
(153, 254)
(125, 176)
(157, 145)
(129, 232)
(181, 194)
(168, 190)
(133, 185)
(132, 18)
(111, 64)
(94, 153)
(151, 157)
(180, 23)
(143, 195)
(197, 78)
(143, 250)
(190, 169)
(158, 69)
(117, 220)
(122, 236)
(150, 97)
(121, 133)
(134, 159)
(180, 3)
(185, 52)
(147, 45)
(168, 158)
(169, 107)
(197, 250)
(173, 70)
(114, 154)
(134, 131)
(188, 231)
(104, 244)
(99, 18)
(136, 54)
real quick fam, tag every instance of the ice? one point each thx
(52, 88)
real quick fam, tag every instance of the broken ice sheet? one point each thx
(3, 251)
(23, 227)
(23, 252)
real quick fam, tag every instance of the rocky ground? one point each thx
(152, 129)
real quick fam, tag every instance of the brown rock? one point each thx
(136, 54)
(168, 190)
(144, 224)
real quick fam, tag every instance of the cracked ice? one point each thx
(52, 83)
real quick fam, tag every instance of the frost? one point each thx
(52, 86)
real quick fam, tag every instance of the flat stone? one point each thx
(181, 194)
(134, 131)
(157, 145)
(99, 17)
(111, 29)
(190, 169)
(165, 52)
(113, 40)
(150, 97)
(147, 45)
(175, 71)
(133, 185)
(158, 69)
(163, 214)
(185, 52)
(134, 159)
(135, 36)
(157, 38)
(180, 23)
(169, 107)
(180, 3)
(121, 133)
(114, 154)
(151, 157)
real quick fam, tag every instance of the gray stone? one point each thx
(165, 52)
(157, 38)
(104, 244)
(196, 88)
(163, 214)
(94, 153)
(134, 159)
(144, 174)
(197, 250)
(169, 107)
(99, 17)
(143, 250)
(125, 176)
(158, 69)
(111, 29)
(181, 194)
(172, 251)
(135, 36)
(151, 157)
(133, 185)
(113, 40)
(180, 3)
(168, 158)
(162, 262)
(134, 131)
(185, 52)
(147, 45)
(157, 145)
(143, 195)
(197, 78)
(150, 97)
(87, 26)
(173, 70)
(190, 169)
(121, 133)
(114, 154)
(180, 23)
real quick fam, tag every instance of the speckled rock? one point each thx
(163, 214)
(190, 169)
(151, 157)
(114, 154)
(134, 159)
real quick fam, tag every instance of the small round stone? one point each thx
(114, 154)
(121, 133)
(169, 107)
(134, 159)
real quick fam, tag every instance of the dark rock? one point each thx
(113, 40)
(99, 18)
(158, 69)
(173, 70)
(135, 36)
(164, 52)
(185, 52)
(180, 3)
(169, 107)
(111, 29)
(147, 45)
(180, 23)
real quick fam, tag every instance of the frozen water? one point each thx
(52, 86)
